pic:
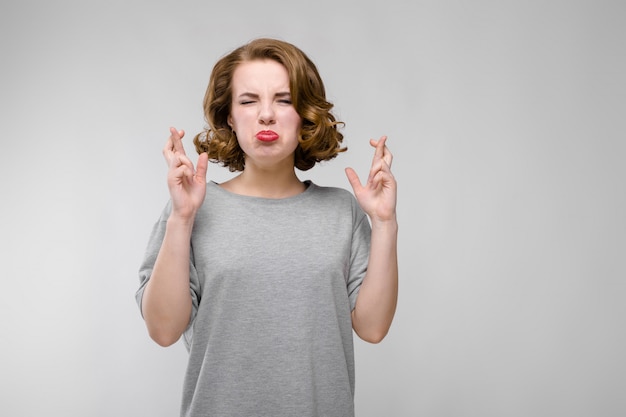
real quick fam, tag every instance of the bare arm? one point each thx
(376, 303)
(166, 302)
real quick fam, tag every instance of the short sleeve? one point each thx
(359, 252)
(145, 270)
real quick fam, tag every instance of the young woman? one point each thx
(266, 276)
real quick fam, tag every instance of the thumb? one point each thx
(353, 178)
(202, 166)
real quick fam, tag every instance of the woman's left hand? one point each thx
(378, 195)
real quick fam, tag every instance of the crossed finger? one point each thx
(382, 157)
(174, 146)
(382, 151)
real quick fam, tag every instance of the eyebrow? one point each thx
(282, 94)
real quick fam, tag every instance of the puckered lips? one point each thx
(266, 135)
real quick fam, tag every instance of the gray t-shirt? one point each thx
(273, 283)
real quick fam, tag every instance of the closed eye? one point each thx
(283, 97)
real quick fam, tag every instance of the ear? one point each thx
(229, 120)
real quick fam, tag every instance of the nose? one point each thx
(266, 114)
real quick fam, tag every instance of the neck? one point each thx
(264, 183)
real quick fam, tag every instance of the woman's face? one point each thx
(262, 114)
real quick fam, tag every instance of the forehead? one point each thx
(260, 75)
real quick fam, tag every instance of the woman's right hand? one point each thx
(187, 185)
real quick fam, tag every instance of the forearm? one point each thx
(376, 303)
(166, 303)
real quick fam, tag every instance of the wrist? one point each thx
(181, 221)
(389, 224)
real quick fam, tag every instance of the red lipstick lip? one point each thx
(267, 135)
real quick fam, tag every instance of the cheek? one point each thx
(239, 121)
(295, 120)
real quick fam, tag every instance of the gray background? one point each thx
(507, 123)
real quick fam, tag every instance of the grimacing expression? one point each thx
(262, 114)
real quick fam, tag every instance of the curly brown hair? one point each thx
(319, 139)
